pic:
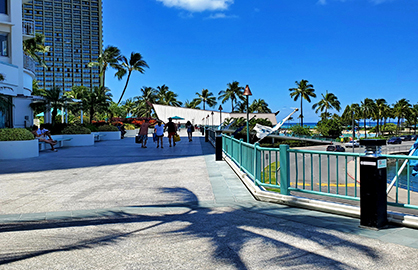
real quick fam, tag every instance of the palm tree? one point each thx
(241, 106)
(380, 108)
(109, 57)
(413, 117)
(304, 90)
(367, 108)
(233, 92)
(329, 101)
(34, 47)
(191, 104)
(259, 106)
(56, 99)
(142, 102)
(206, 97)
(170, 98)
(96, 100)
(129, 106)
(135, 63)
(161, 93)
(400, 110)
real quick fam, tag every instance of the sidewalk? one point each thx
(118, 206)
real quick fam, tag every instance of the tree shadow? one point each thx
(229, 231)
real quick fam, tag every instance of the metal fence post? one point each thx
(284, 169)
(255, 162)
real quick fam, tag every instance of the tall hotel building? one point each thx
(73, 30)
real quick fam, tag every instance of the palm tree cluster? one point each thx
(380, 111)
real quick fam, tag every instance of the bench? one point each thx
(98, 137)
(60, 143)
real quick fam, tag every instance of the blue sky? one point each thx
(355, 49)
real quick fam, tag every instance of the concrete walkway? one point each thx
(118, 206)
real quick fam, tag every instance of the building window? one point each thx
(4, 45)
(3, 7)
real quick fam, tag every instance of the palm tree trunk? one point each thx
(126, 85)
(301, 112)
(365, 130)
(232, 104)
(204, 104)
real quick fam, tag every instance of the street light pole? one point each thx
(212, 118)
(247, 93)
(220, 114)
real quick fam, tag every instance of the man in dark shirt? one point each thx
(171, 129)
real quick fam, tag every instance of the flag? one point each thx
(414, 163)
(270, 130)
(262, 131)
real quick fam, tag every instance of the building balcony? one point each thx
(29, 63)
(28, 29)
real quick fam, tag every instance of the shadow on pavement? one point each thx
(229, 231)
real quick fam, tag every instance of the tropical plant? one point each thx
(191, 104)
(55, 98)
(329, 101)
(259, 106)
(35, 47)
(115, 110)
(241, 106)
(125, 66)
(143, 103)
(380, 109)
(304, 90)
(400, 110)
(96, 100)
(413, 117)
(206, 97)
(330, 127)
(301, 131)
(167, 97)
(109, 57)
(128, 106)
(233, 92)
(367, 108)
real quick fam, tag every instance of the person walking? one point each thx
(190, 130)
(171, 129)
(143, 133)
(159, 131)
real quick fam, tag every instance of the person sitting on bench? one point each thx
(42, 131)
(42, 139)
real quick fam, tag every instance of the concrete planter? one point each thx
(78, 139)
(18, 149)
(110, 135)
(131, 133)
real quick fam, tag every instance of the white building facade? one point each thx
(17, 69)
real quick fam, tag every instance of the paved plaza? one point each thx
(116, 205)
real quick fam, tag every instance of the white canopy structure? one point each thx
(204, 117)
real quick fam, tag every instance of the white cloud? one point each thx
(221, 16)
(322, 2)
(198, 5)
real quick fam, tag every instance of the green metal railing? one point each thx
(323, 173)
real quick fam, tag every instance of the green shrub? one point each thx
(15, 134)
(76, 130)
(92, 128)
(129, 127)
(108, 128)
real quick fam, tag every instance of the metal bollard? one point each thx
(206, 134)
(373, 177)
(218, 153)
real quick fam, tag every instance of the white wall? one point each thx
(20, 110)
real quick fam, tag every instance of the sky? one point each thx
(355, 49)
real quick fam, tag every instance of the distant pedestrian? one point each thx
(171, 129)
(190, 130)
(159, 131)
(143, 133)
